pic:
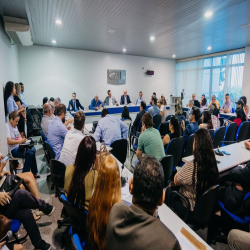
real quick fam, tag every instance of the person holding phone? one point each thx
(14, 139)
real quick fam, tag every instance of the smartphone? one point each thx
(5, 158)
(218, 162)
(127, 203)
(226, 153)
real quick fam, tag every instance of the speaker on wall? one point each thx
(150, 72)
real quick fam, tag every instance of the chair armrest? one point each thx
(181, 197)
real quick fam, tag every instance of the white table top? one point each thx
(167, 216)
(239, 154)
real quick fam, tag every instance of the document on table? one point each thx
(125, 191)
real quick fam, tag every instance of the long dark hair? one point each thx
(7, 92)
(125, 113)
(240, 114)
(175, 122)
(204, 163)
(85, 159)
(207, 119)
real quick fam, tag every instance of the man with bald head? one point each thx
(47, 113)
(125, 100)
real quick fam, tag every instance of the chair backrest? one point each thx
(189, 146)
(50, 150)
(232, 118)
(246, 202)
(139, 126)
(77, 216)
(44, 139)
(242, 131)
(167, 164)
(233, 110)
(219, 136)
(248, 134)
(119, 150)
(175, 148)
(180, 117)
(230, 132)
(39, 116)
(164, 128)
(221, 121)
(58, 169)
(168, 117)
(156, 121)
(205, 205)
(129, 124)
(211, 132)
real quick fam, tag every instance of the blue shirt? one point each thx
(154, 110)
(139, 100)
(56, 134)
(190, 129)
(110, 129)
(11, 104)
(94, 104)
(24, 101)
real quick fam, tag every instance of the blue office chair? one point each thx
(189, 146)
(230, 132)
(156, 121)
(168, 117)
(242, 131)
(219, 136)
(164, 128)
(14, 227)
(233, 110)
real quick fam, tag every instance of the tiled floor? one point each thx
(48, 225)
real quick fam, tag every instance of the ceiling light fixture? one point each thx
(174, 56)
(208, 14)
(124, 50)
(53, 41)
(58, 22)
(152, 38)
(209, 48)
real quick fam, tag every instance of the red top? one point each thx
(237, 121)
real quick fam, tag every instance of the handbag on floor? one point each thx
(100, 156)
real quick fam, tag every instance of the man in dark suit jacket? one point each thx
(74, 104)
(135, 226)
(138, 117)
(125, 98)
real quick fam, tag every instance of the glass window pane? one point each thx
(221, 60)
(218, 82)
(205, 84)
(237, 58)
(207, 62)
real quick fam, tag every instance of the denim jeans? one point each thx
(30, 159)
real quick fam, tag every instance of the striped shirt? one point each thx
(185, 181)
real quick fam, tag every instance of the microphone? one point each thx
(6, 237)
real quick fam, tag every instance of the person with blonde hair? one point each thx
(163, 99)
(107, 192)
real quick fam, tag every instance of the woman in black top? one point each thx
(22, 121)
(175, 130)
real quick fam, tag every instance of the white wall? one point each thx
(246, 75)
(49, 71)
(9, 71)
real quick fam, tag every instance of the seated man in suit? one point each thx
(125, 100)
(96, 103)
(110, 129)
(139, 116)
(74, 104)
(136, 226)
(110, 100)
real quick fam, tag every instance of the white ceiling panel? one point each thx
(179, 26)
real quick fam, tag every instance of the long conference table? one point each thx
(167, 216)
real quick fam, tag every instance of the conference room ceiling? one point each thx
(179, 26)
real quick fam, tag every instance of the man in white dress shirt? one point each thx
(73, 139)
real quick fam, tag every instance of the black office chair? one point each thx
(221, 121)
(168, 118)
(211, 132)
(37, 118)
(175, 148)
(232, 118)
(119, 150)
(242, 131)
(134, 142)
(44, 139)
(203, 211)
(248, 134)
(219, 136)
(189, 146)
(230, 132)
(156, 121)
(164, 129)
(167, 164)
(51, 155)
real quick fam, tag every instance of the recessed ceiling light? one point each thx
(152, 38)
(58, 21)
(208, 14)
(112, 31)
(174, 56)
(124, 50)
(53, 41)
(209, 48)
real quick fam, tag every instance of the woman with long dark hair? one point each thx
(240, 116)
(107, 193)
(206, 120)
(125, 114)
(9, 102)
(80, 178)
(175, 130)
(196, 176)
